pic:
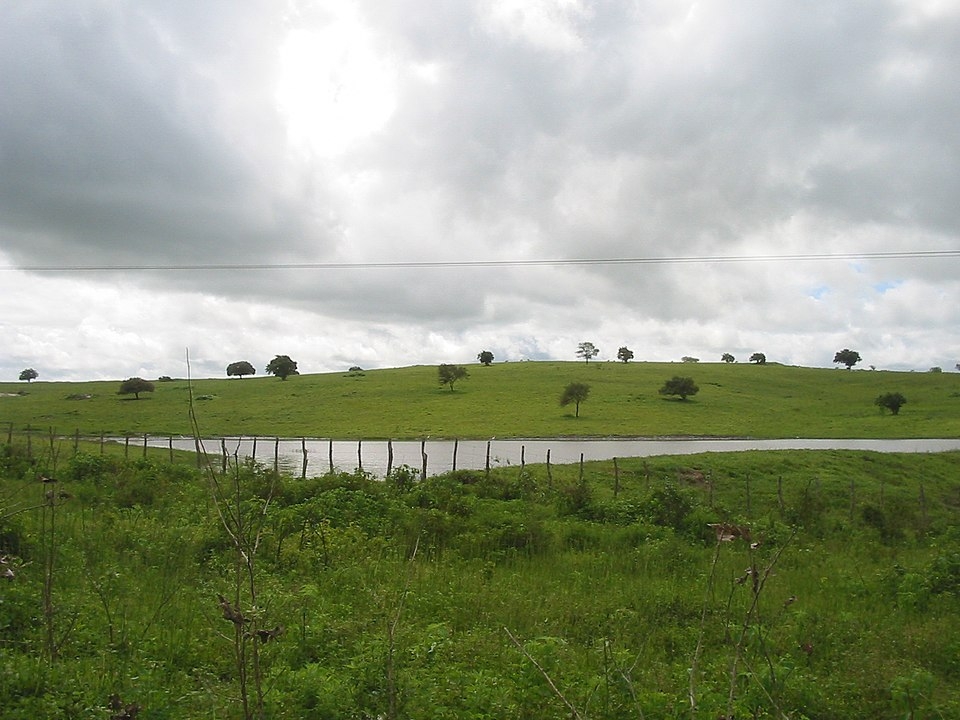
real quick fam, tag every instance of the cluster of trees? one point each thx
(281, 366)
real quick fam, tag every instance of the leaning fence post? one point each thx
(223, 452)
(330, 454)
(303, 447)
(253, 451)
(488, 459)
(456, 443)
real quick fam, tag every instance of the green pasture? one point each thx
(507, 400)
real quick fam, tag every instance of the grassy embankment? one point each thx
(510, 400)
(403, 599)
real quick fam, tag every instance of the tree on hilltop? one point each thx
(240, 368)
(727, 358)
(282, 367)
(29, 374)
(847, 357)
(758, 358)
(575, 393)
(485, 357)
(134, 386)
(624, 354)
(587, 351)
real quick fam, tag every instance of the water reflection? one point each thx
(441, 456)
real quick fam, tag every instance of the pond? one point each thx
(375, 456)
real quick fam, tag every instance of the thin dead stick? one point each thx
(543, 672)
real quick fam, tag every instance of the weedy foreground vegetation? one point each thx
(762, 585)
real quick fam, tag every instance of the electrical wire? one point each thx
(439, 264)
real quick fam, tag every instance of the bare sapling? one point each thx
(244, 524)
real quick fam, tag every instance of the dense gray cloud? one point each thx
(164, 134)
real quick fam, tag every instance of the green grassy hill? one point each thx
(509, 400)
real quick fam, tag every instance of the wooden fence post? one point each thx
(581, 467)
(330, 454)
(549, 471)
(223, 453)
(170, 446)
(389, 457)
(303, 447)
(359, 454)
(253, 452)
(423, 457)
(488, 459)
(523, 460)
(456, 443)
(616, 478)
(144, 444)
(276, 455)
(101, 442)
(126, 447)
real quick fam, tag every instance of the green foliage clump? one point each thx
(752, 582)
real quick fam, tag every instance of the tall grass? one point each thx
(395, 596)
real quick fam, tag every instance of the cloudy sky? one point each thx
(409, 182)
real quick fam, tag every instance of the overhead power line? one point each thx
(556, 262)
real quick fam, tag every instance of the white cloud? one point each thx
(163, 134)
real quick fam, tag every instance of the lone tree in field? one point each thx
(29, 374)
(282, 367)
(847, 357)
(682, 386)
(134, 386)
(892, 401)
(758, 358)
(587, 351)
(240, 368)
(449, 374)
(624, 354)
(727, 358)
(485, 357)
(575, 393)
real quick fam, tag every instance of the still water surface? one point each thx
(441, 455)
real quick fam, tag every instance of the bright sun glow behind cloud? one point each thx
(333, 87)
